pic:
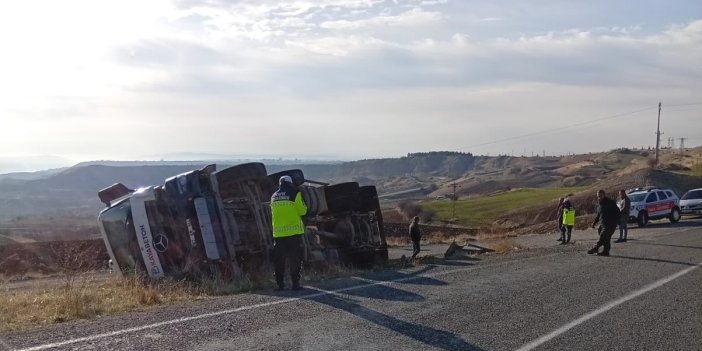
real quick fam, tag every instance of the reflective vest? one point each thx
(569, 217)
(287, 209)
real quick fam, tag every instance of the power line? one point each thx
(684, 109)
(546, 131)
(690, 104)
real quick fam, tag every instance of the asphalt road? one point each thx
(646, 296)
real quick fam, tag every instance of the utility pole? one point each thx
(658, 132)
(682, 145)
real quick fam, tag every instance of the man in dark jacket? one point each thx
(609, 213)
(415, 235)
(559, 218)
(624, 207)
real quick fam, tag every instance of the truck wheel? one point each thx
(674, 215)
(642, 220)
(342, 197)
(369, 198)
(315, 203)
(242, 172)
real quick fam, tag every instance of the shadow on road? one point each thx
(413, 278)
(384, 292)
(664, 223)
(428, 335)
(654, 260)
(630, 242)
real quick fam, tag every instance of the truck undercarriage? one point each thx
(211, 221)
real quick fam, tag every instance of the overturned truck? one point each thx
(218, 222)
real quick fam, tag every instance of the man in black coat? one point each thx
(415, 235)
(608, 212)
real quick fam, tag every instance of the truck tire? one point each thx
(314, 199)
(342, 197)
(241, 173)
(369, 198)
(642, 219)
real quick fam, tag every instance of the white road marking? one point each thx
(266, 304)
(245, 308)
(543, 339)
(358, 287)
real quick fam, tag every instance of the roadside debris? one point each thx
(457, 251)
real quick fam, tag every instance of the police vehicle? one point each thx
(653, 203)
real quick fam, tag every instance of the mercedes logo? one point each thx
(161, 243)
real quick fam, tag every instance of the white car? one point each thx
(653, 203)
(691, 202)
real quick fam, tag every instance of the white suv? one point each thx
(653, 203)
(691, 202)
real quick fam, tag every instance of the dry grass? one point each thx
(83, 299)
(505, 245)
(77, 298)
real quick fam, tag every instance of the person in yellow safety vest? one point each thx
(287, 209)
(568, 221)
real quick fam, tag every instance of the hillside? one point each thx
(73, 191)
(585, 201)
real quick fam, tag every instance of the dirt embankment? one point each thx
(399, 230)
(46, 258)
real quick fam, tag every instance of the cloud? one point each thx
(311, 65)
(491, 19)
(415, 17)
(221, 73)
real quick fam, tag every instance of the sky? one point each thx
(346, 79)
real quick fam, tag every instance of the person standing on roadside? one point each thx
(568, 220)
(624, 207)
(415, 235)
(287, 209)
(559, 218)
(609, 213)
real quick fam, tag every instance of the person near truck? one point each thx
(568, 221)
(609, 214)
(287, 209)
(415, 235)
(624, 207)
(559, 218)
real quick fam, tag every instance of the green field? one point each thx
(482, 211)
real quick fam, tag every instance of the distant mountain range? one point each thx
(32, 163)
(268, 159)
(14, 167)
(73, 191)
